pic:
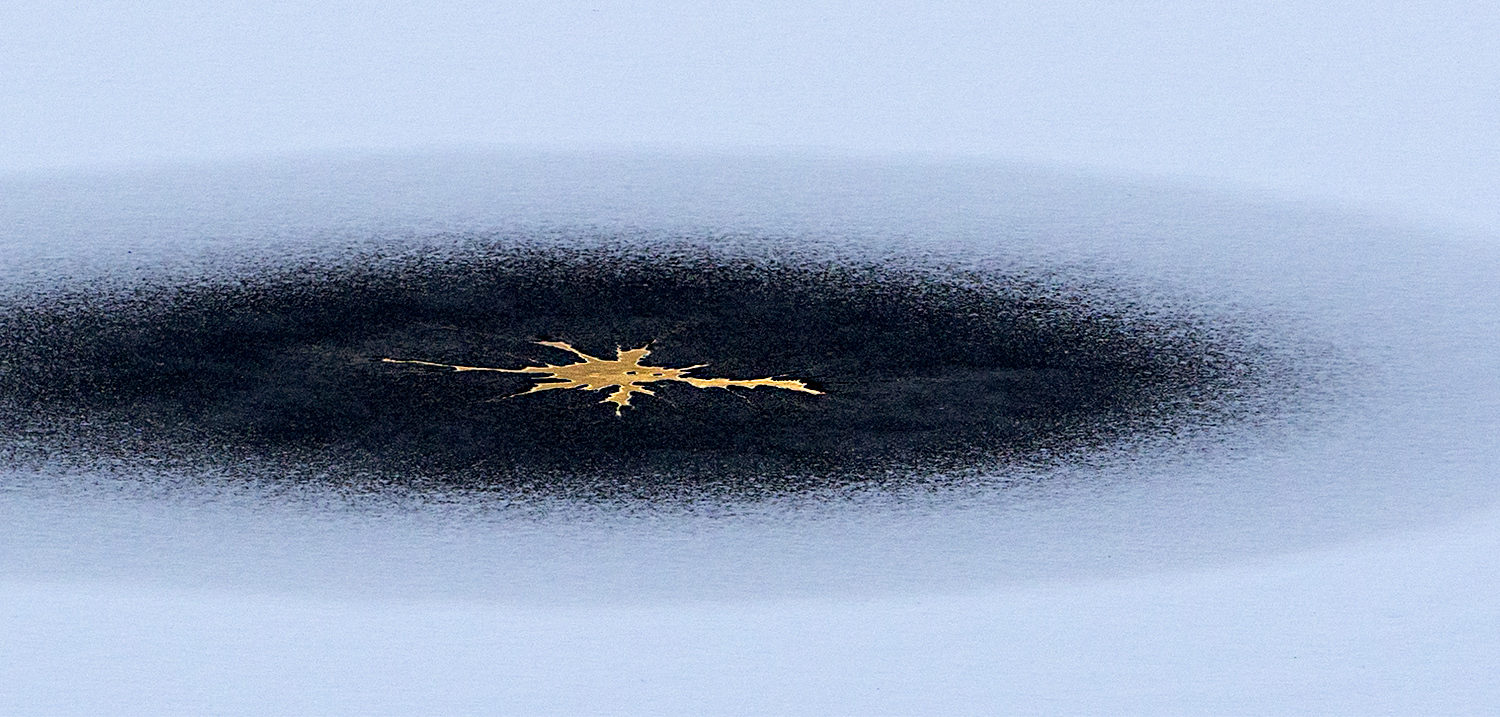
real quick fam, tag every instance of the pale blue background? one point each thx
(1388, 109)
(1391, 104)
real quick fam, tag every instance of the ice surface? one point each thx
(1344, 563)
(1373, 627)
(1395, 436)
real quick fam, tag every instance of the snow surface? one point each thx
(1341, 562)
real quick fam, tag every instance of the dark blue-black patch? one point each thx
(925, 374)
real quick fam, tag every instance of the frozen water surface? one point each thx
(1335, 553)
(1329, 554)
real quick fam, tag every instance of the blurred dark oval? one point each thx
(914, 372)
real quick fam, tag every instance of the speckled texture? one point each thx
(927, 373)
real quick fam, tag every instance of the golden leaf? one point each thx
(625, 374)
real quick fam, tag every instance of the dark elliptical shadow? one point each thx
(907, 374)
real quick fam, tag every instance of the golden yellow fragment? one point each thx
(625, 374)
